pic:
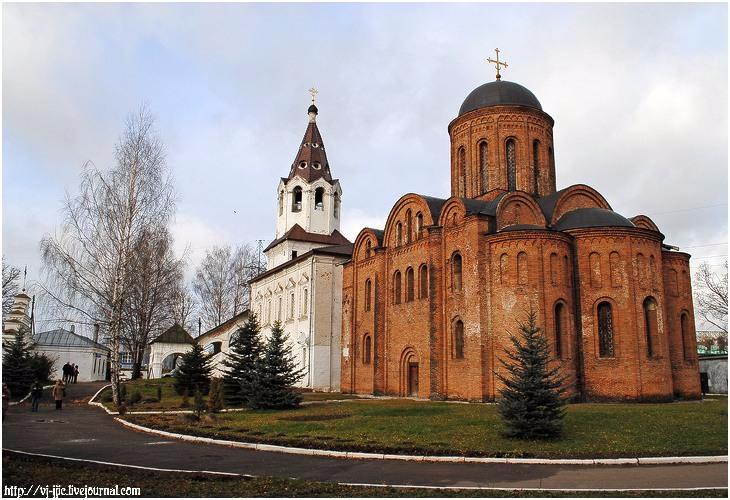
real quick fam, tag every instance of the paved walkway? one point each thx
(83, 431)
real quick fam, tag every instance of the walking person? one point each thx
(59, 391)
(66, 371)
(76, 372)
(36, 393)
(6, 400)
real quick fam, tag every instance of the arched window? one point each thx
(419, 224)
(511, 165)
(456, 272)
(673, 284)
(409, 225)
(296, 199)
(503, 268)
(650, 325)
(459, 339)
(279, 309)
(566, 271)
(522, 272)
(614, 262)
(462, 172)
(559, 326)
(423, 281)
(398, 234)
(483, 166)
(409, 284)
(684, 327)
(305, 302)
(396, 288)
(319, 198)
(367, 349)
(368, 248)
(336, 210)
(554, 269)
(605, 330)
(368, 293)
(281, 202)
(595, 262)
(535, 165)
(291, 305)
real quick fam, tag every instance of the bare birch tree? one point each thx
(86, 265)
(11, 285)
(711, 296)
(155, 276)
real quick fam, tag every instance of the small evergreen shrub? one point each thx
(194, 372)
(277, 373)
(241, 377)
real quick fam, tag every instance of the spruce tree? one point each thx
(278, 373)
(17, 365)
(194, 372)
(240, 378)
(531, 404)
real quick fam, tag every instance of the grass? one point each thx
(437, 428)
(29, 472)
(172, 401)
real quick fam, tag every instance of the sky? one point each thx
(638, 93)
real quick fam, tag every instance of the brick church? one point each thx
(429, 301)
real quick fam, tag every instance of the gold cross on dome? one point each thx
(497, 63)
(314, 93)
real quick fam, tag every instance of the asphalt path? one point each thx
(86, 432)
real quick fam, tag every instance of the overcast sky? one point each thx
(638, 94)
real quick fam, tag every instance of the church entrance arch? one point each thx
(409, 373)
(171, 361)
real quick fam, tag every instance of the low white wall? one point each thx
(81, 356)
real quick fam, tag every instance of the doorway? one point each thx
(413, 379)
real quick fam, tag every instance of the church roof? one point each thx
(65, 338)
(499, 93)
(311, 161)
(176, 334)
(297, 233)
(213, 331)
(591, 217)
(343, 250)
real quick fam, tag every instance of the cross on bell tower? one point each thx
(497, 63)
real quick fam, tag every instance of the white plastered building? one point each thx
(302, 286)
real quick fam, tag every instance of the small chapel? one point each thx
(430, 300)
(302, 285)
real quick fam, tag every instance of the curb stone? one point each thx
(421, 458)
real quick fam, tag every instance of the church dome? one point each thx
(499, 93)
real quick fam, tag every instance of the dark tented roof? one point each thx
(591, 217)
(176, 334)
(65, 338)
(499, 93)
(297, 233)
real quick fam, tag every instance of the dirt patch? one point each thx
(314, 418)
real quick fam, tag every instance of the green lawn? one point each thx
(172, 401)
(29, 472)
(418, 427)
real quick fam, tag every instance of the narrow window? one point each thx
(652, 272)
(368, 248)
(566, 271)
(268, 312)
(684, 284)
(503, 268)
(296, 200)
(641, 270)
(423, 281)
(511, 165)
(650, 324)
(459, 339)
(409, 226)
(684, 326)
(595, 262)
(522, 272)
(396, 288)
(336, 210)
(319, 198)
(291, 305)
(456, 272)
(483, 166)
(535, 166)
(605, 330)
(554, 269)
(279, 309)
(559, 325)
(462, 172)
(281, 202)
(409, 284)
(305, 302)
(673, 283)
(419, 224)
(368, 293)
(367, 350)
(293, 254)
(398, 234)
(614, 262)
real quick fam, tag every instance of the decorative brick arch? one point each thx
(417, 204)
(408, 356)
(518, 208)
(575, 197)
(453, 210)
(366, 235)
(644, 222)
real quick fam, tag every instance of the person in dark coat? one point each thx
(66, 371)
(36, 393)
(76, 372)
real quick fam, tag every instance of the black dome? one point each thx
(591, 217)
(499, 93)
(312, 109)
